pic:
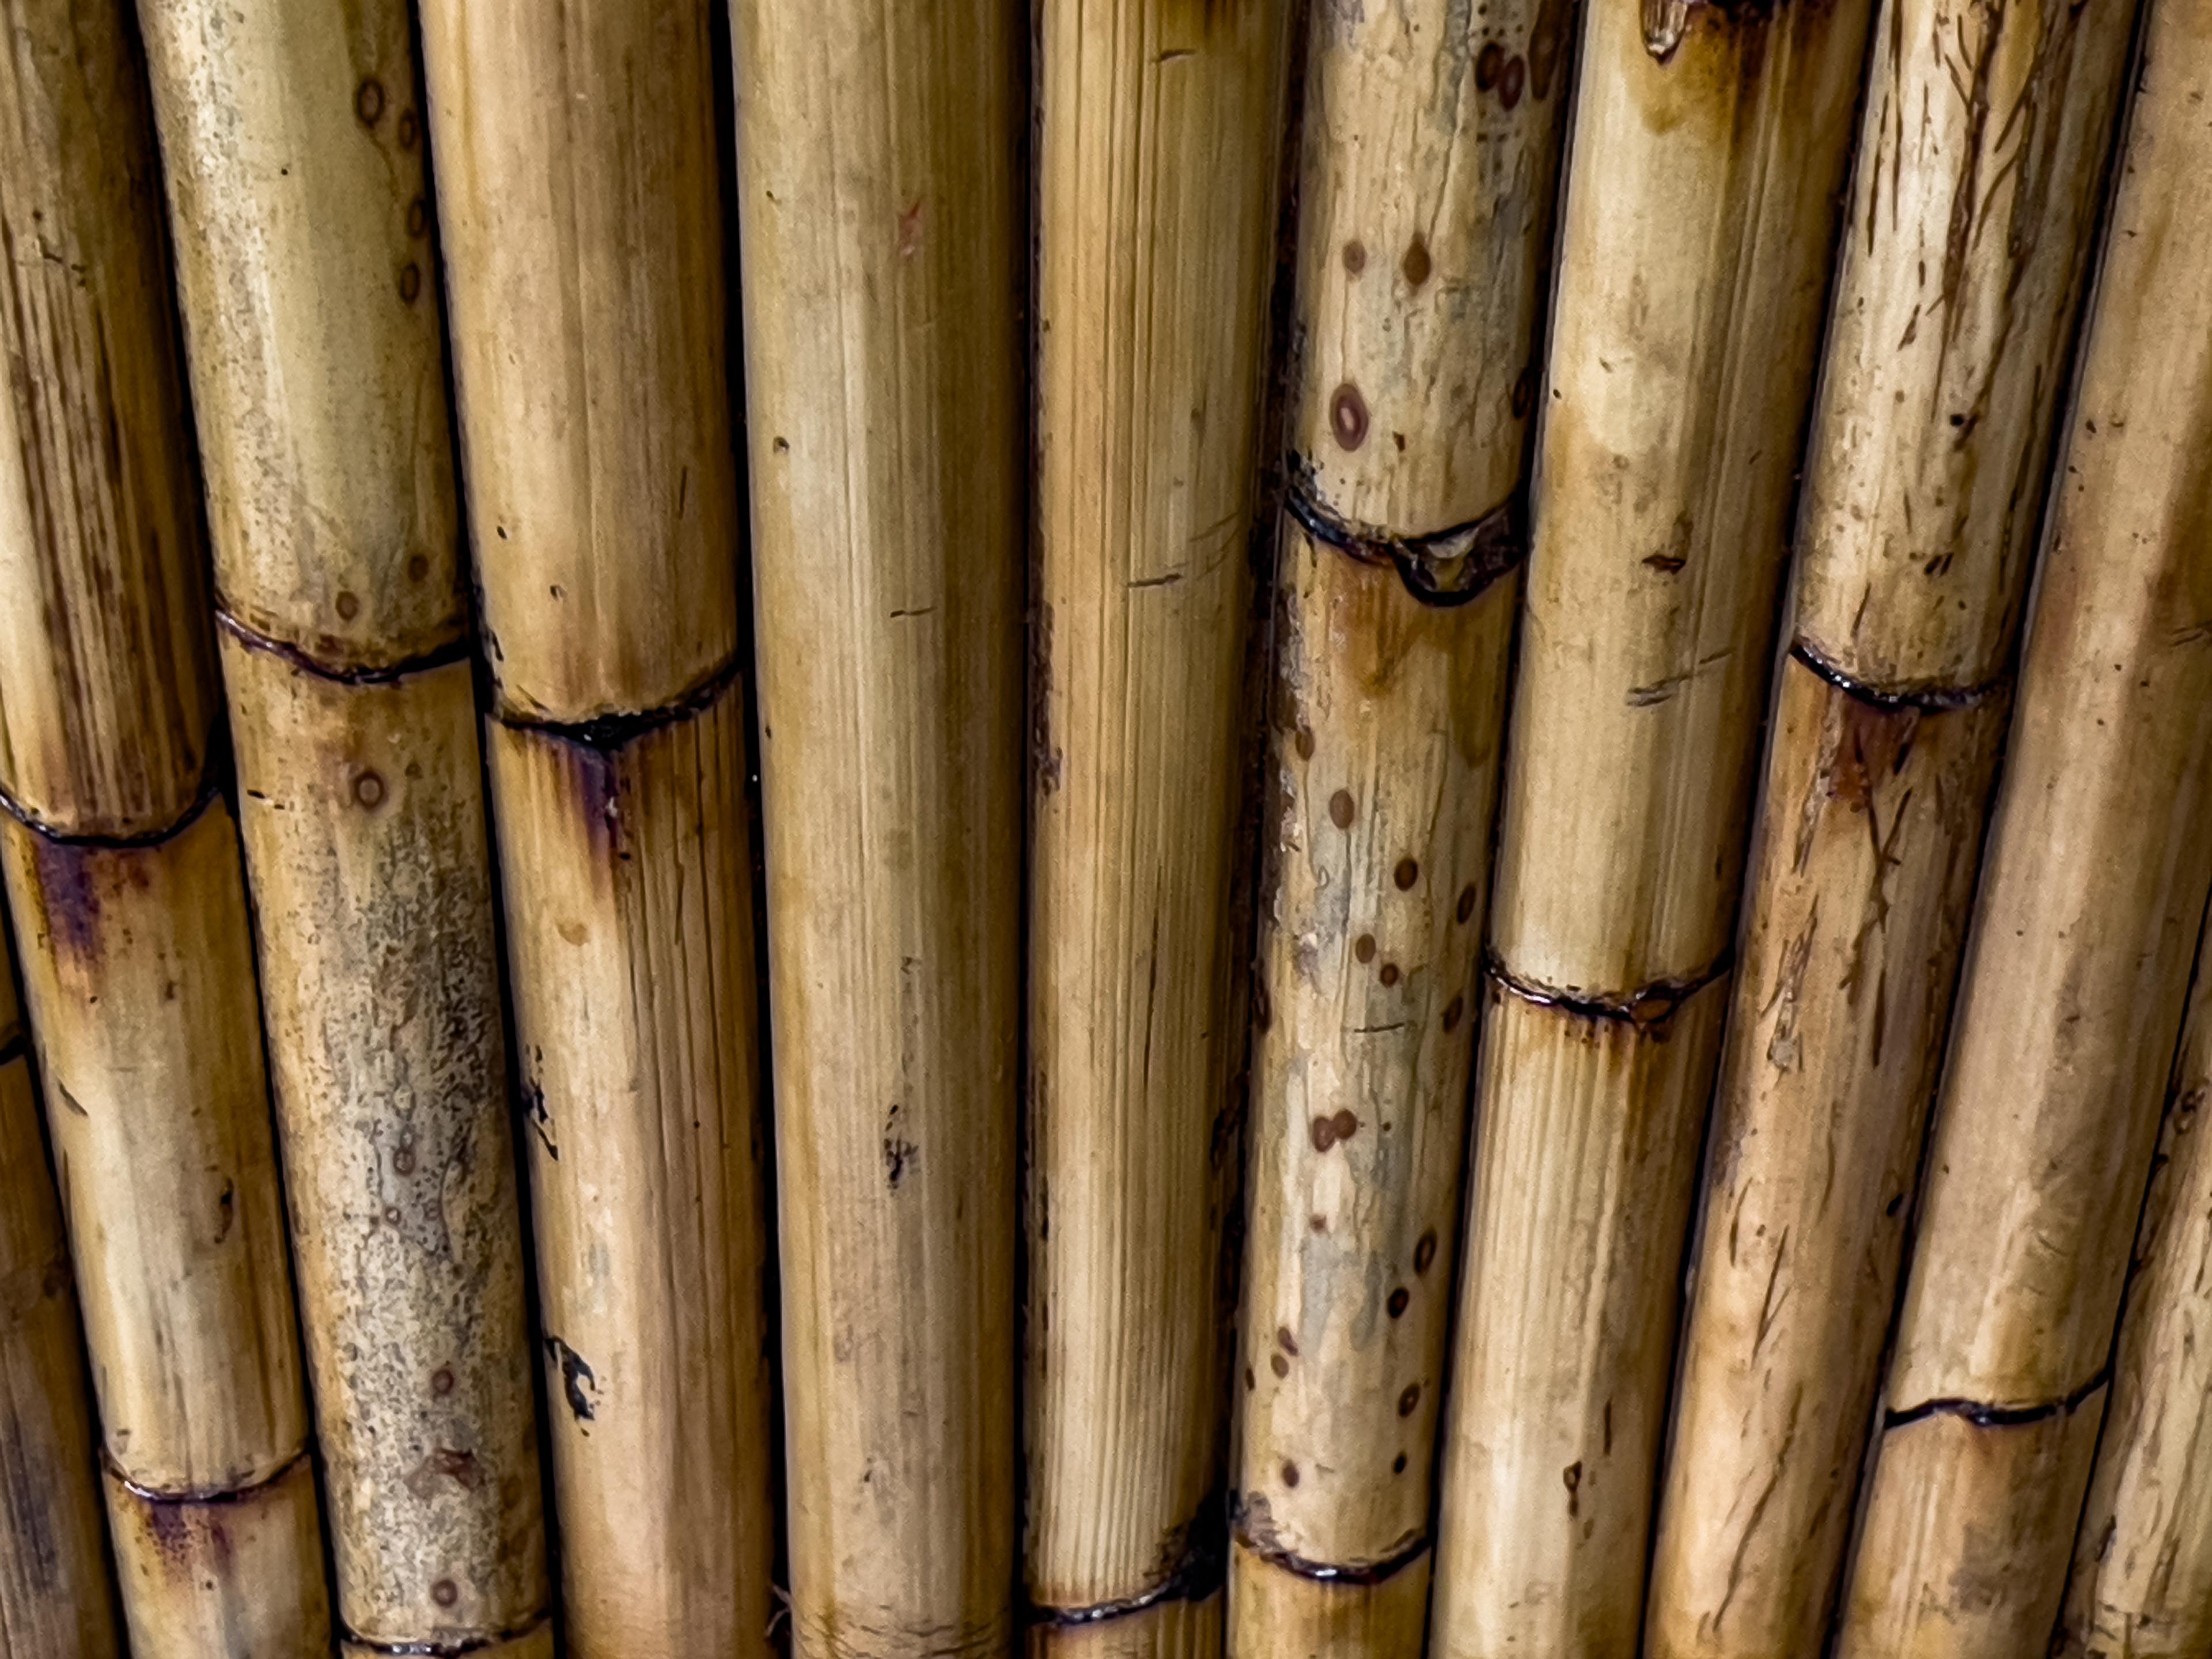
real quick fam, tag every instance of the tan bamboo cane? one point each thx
(2071, 999)
(294, 153)
(1698, 222)
(881, 199)
(123, 874)
(2141, 1585)
(1158, 157)
(57, 1590)
(579, 209)
(1924, 492)
(1425, 209)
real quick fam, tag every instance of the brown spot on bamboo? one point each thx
(1425, 1251)
(1341, 809)
(1465, 909)
(1398, 1464)
(441, 1381)
(1363, 949)
(1290, 1474)
(418, 218)
(1489, 64)
(410, 129)
(368, 789)
(349, 607)
(1302, 741)
(1347, 417)
(1355, 257)
(368, 103)
(1454, 1011)
(1408, 1399)
(1509, 84)
(1417, 264)
(411, 282)
(1388, 974)
(1397, 1303)
(1277, 1364)
(1408, 872)
(445, 1593)
(1286, 1342)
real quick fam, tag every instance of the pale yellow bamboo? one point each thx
(294, 158)
(578, 203)
(2077, 974)
(1699, 217)
(1158, 154)
(881, 203)
(123, 872)
(1923, 490)
(1425, 217)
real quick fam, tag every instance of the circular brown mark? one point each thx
(1388, 974)
(349, 607)
(392, 1214)
(1324, 1130)
(403, 1160)
(1489, 64)
(368, 789)
(1340, 809)
(1303, 743)
(1509, 84)
(1425, 1251)
(1454, 1011)
(1408, 872)
(1277, 1364)
(445, 1592)
(1355, 257)
(1362, 948)
(417, 567)
(1290, 1474)
(1250, 1382)
(369, 102)
(418, 217)
(1318, 1223)
(1465, 910)
(442, 1380)
(1543, 58)
(1398, 1464)
(1342, 1127)
(409, 128)
(1347, 417)
(1407, 1400)
(411, 282)
(1285, 1340)
(1416, 265)
(1399, 1298)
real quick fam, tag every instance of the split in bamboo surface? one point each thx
(1426, 201)
(883, 280)
(1923, 494)
(123, 876)
(1157, 162)
(580, 213)
(293, 144)
(2092, 889)
(1699, 222)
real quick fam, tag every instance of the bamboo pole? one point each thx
(1426, 210)
(1924, 492)
(57, 1590)
(295, 174)
(578, 205)
(882, 278)
(1157, 165)
(2093, 888)
(1701, 212)
(122, 866)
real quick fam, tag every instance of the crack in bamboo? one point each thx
(1927, 698)
(1466, 559)
(1654, 1004)
(1362, 1574)
(1983, 1415)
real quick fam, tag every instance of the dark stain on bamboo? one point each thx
(576, 1376)
(1254, 1528)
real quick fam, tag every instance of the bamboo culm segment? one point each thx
(1923, 493)
(124, 877)
(294, 147)
(1699, 212)
(579, 212)
(56, 1593)
(1428, 176)
(1157, 165)
(2092, 894)
(883, 280)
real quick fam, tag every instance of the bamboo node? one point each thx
(1442, 568)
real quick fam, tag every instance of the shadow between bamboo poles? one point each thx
(1158, 127)
(1699, 215)
(579, 209)
(294, 152)
(1425, 205)
(2076, 974)
(57, 1589)
(123, 870)
(883, 282)
(1924, 492)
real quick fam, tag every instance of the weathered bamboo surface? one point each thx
(57, 1590)
(578, 207)
(123, 872)
(883, 279)
(2093, 890)
(294, 149)
(1427, 183)
(1157, 160)
(1698, 222)
(1982, 153)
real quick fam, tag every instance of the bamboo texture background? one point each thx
(1106, 829)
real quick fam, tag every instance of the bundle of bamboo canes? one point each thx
(123, 876)
(580, 206)
(1395, 602)
(1922, 496)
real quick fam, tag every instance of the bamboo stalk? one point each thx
(2093, 888)
(1924, 492)
(1395, 605)
(578, 205)
(57, 1591)
(123, 874)
(2142, 1584)
(1157, 167)
(883, 277)
(297, 180)
(1700, 209)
